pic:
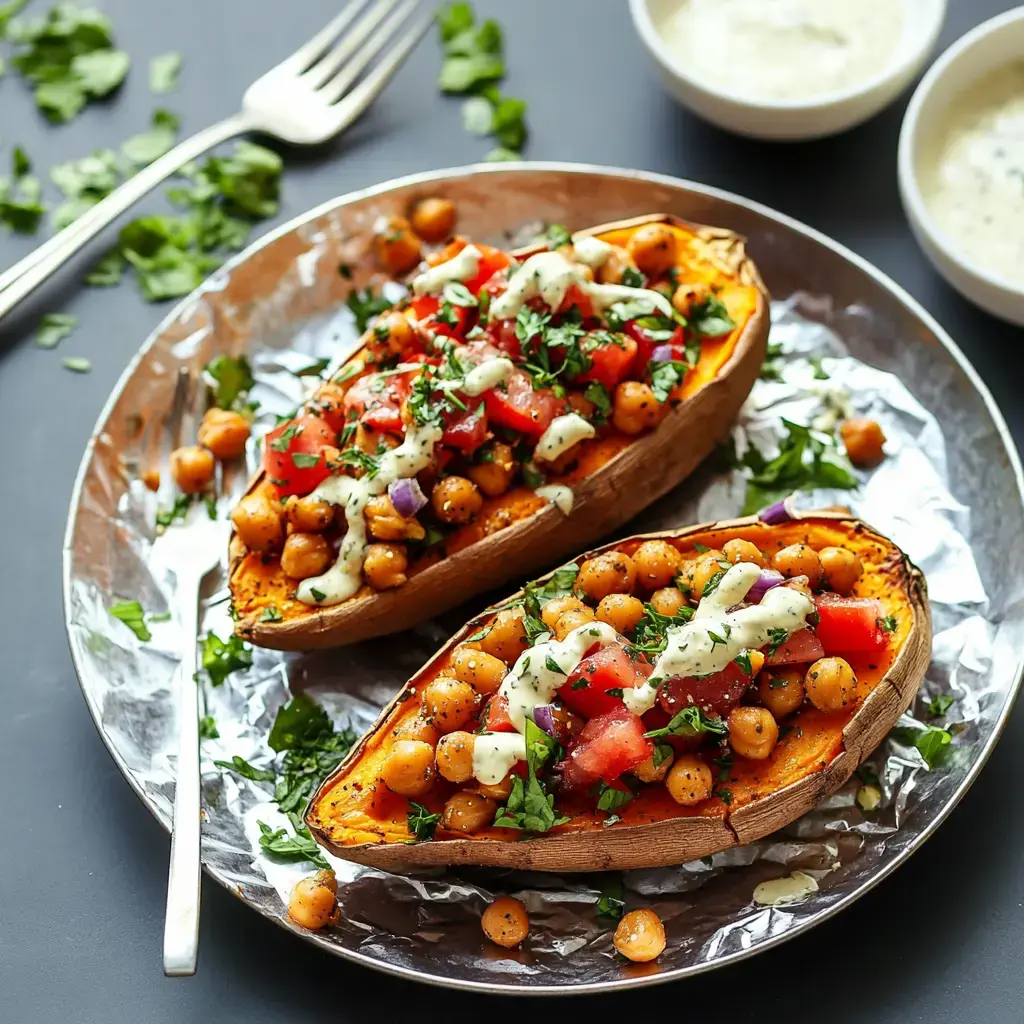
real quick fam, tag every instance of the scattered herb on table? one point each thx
(132, 615)
(21, 206)
(208, 728)
(930, 742)
(76, 364)
(141, 150)
(54, 328)
(222, 657)
(612, 900)
(163, 72)
(938, 706)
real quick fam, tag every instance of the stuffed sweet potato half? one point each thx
(512, 409)
(660, 699)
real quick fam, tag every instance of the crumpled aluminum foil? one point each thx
(428, 926)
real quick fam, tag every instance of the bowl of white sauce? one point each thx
(961, 165)
(788, 69)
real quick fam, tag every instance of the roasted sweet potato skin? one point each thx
(357, 818)
(519, 532)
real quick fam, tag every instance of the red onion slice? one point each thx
(769, 578)
(775, 514)
(544, 718)
(662, 354)
(407, 496)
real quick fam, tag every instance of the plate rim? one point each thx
(571, 168)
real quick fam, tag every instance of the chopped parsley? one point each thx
(771, 368)
(21, 205)
(743, 661)
(611, 901)
(666, 377)
(421, 822)
(270, 614)
(530, 807)
(611, 798)
(818, 370)
(163, 72)
(232, 379)
(713, 583)
(535, 595)
(651, 632)
(141, 150)
(597, 394)
(556, 236)
(777, 636)
(166, 516)
(54, 328)
(287, 847)
(241, 767)
(222, 657)
(305, 460)
(132, 615)
(710, 318)
(938, 706)
(691, 721)
(887, 624)
(84, 182)
(208, 728)
(930, 742)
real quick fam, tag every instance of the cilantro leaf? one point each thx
(930, 742)
(690, 722)
(54, 328)
(651, 630)
(21, 206)
(666, 377)
(240, 766)
(163, 72)
(710, 318)
(131, 614)
(938, 706)
(141, 150)
(612, 798)
(365, 306)
(208, 728)
(561, 584)
(612, 899)
(421, 822)
(530, 807)
(477, 115)
(299, 847)
(556, 236)
(222, 657)
(472, 54)
(232, 376)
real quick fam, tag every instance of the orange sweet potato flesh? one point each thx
(357, 817)
(604, 477)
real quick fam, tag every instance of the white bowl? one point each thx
(991, 45)
(790, 120)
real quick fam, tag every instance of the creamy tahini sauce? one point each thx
(489, 374)
(691, 650)
(344, 578)
(973, 178)
(593, 252)
(784, 50)
(561, 435)
(548, 276)
(532, 681)
(559, 495)
(459, 268)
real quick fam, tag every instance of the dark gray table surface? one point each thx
(82, 864)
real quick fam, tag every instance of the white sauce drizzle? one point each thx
(561, 435)
(692, 652)
(459, 268)
(559, 495)
(593, 252)
(548, 276)
(344, 578)
(494, 754)
(787, 50)
(489, 374)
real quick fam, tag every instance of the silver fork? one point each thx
(310, 97)
(189, 552)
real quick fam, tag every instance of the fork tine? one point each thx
(355, 103)
(348, 45)
(334, 88)
(306, 54)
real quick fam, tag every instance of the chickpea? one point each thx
(690, 294)
(621, 611)
(501, 791)
(656, 767)
(448, 703)
(454, 756)
(224, 432)
(505, 922)
(494, 477)
(468, 812)
(456, 499)
(391, 335)
(640, 936)
(506, 639)
(668, 601)
(703, 572)
(610, 573)
(314, 900)
(635, 408)
(753, 732)
(781, 690)
(408, 769)
(308, 515)
(689, 780)
(554, 609)
(654, 248)
(416, 727)
(192, 468)
(257, 521)
(433, 219)
(619, 261)
(863, 440)
(799, 560)
(398, 249)
(657, 564)
(384, 522)
(573, 619)
(831, 684)
(743, 551)
(384, 566)
(482, 671)
(305, 555)
(841, 569)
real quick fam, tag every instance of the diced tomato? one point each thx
(426, 309)
(424, 305)
(495, 717)
(466, 431)
(289, 447)
(801, 648)
(716, 694)
(849, 625)
(575, 296)
(521, 408)
(610, 744)
(610, 362)
(491, 261)
(646, 345)
(503, 334)
(376, 400)
(604, 669)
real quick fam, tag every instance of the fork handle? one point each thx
(27, 274)
(184, 881)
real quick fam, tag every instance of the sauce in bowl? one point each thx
(972, 176)
(782, 50)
